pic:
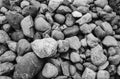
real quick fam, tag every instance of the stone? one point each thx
(112, 69)
(84, 19)
(63, 46)
(112, 51)
(115, 60)
(14, 19)
(3, 9)
(27, 26)
(6, 27)
(107, 8)
(59, 18)
(2, 19)
(79, 66)
(5, 77)
(92, 41)
(88, 74)
(6, 68)
(4, 37)
(83, 9)
(75, 57)
(74, 42)
(97, 56)
(77, 76)
(43, 8)
(49, 70)
(84, 42)
(104, 3)
(54, 4)
(58, 35)
(28, 64)
(41, 24)
(35, 3)
(76, 14)
(24, 3)
(72, 70)
(23, 46)
(110, 41)
(103, 74)
(8, 56)
(118, 70)
(104, 66)
(90, 65)
(49, 18)
(12, 45)
(46, 47)
(69, 20)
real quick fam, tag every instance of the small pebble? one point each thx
(103, 74)
(75, 57)
(24, 3)
(59, 18)
(76, 14)
(58, 35)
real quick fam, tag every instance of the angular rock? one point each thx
(29, 64)
(2, 49)
(43, 8)
(83, 9)
(115, 60)
(76, 14)
(104, 66)
(101, 3)
(6, 27)
(58, 35)
(84, 42)
(69, 20)
(41, 24)
(97, 56)
(49, 70)
(74, 42)
(12, 45)
(112, 51)
(8, 56)
(77, 76)
(75, 57)
(49, 18)
(90, 65)
(103, 74)
(27, 26)
(23, 46)
(88, 74)
(2, 19)
(46, 47)
(110, 41)
(84, 19)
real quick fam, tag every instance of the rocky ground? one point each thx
(59, 39)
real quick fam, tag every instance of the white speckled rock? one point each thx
(46, 47)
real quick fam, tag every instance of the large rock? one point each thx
(27, 66)
(4, 37)
(46, 47)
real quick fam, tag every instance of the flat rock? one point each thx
(46, 47)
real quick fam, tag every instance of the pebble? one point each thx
(83, 9)
(59, 18)
(72, 70)
(23, 46)
(46, 47)
(27, 26)
(3, 48)
(8, 56)
(88, 74)
(69, 20)
(75, 57)
(6, 27)
(103, 74)
(49, 18)
(101, 3)
(104, 66)
(3, 9)
(84, 19)
(112, 69)
(43, 8)
(74, 42)
(79, 66)
(49, 70)
(4, 37)
(110, 41)
(90, 65)
(2, 19)
(24, 3)
(54, 4)
(112, 51)
(107, 8)
(5, 77)
(115, 60)
(84, 42)
(63, 46)
(92, 41)
(97, 56)
(41, 24)
(28, 64)
(58, 35)
(6, 68)
(12, 45)
(76, 14)
(118, 70)
(77, 76)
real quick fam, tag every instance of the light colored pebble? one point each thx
(103, 74)
(76, 14)
(24, 3)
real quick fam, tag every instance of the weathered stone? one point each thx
(75, 57)
(12, 45)
(101, 3)
(103, 74)
(76, 14)
(58, 35)
(4, 37)
(69, 20)
(59, 18)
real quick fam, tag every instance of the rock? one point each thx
(65, 68)
(43, 8)
(88, 74)
(5, 77)
(74, 42)
(35, 3)
(61, 77)
(29, 10)
(110, 41)
(23, 46)
(4, 37)
(87, 28)
(72, 70)
(107, 28)
(104, 3)
(49, 70)
(118, 70)
(27, 26)
(59, 18)
(103, 74)
(6, 68)
(46, 47)
(29, 64)
(76, 14)
(77, 76)
(24, 3)
(63, 46)
(75, 57)
(104, 66)
(58, 35)
(49, 18)
(90, 65)
(81, 2)
(41, 24)
(84, 42)
(2, 19)
(12, 45)
(63, 9)
(112, 51)
(69, 20)
(8, 56)
(107, 8)
(14, 19)
(71, 31)
(83, 9)
(3, 9)
(17, 35)
(92, 41)
(3, 48)
(97, 56)
(6, 27)
(79, 66)
(84, 19)
(112, 69)
(54, 4)
(115, 60)
(37, 35)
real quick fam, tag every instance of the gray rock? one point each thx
(98, 3)
(29, 64)
(104, 66)
(97, 56)
(90, 65)
(59, 18)
(84, 19)
(46, 47)
(27, 26)
(69, 20)
(24, 4)
(5, 77)
(77, 76)
(84, 42)
(83, 9)
(58, 35)
(12, 45)
(2, 49)
(75, 57)
(4, 37)
(115, 60)
(79, 66)
(76, 14)
(112, 51)
(49, 70)
(118, 70)
(103, 74)
(110, 41)
(6, 27)
(73, 70)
